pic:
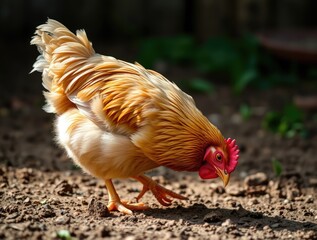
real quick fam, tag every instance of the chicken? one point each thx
(118, 120)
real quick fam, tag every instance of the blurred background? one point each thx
(250, 64)
(207, 37)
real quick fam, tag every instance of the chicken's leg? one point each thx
(122, 206)
(161, 194)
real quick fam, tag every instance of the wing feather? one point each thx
(122, 88)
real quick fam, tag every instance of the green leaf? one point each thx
(179, 48)
(64, 234)
(287, 123)
(271, 121)
(283, 128)
(292, 113)
(277, 167)
(175, 49)
(217, 54)
(244, 79)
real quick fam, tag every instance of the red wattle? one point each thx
(207, 172)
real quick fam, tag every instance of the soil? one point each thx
(44, 196)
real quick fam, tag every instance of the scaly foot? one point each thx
(161, 194)
(125, 207)
(122, 206)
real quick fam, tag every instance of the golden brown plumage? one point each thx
(117, 119)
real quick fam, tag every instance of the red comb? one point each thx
(233, 152)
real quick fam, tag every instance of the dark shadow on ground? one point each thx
(199, 213)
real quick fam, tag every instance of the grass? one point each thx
(287, 123)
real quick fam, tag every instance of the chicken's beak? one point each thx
(224, 175)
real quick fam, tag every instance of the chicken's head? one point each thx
(220, 161)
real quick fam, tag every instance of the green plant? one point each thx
(174, 49)
(277, 167)
(64, 234)
(241, 60)
(287, 123)
(237, 59)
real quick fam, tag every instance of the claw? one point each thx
(141, 194)
(160, 193)
(112, 206)
(125, 207)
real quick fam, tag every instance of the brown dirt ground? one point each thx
(42, 192)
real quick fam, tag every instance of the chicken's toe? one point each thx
(126, 207)
(163, 195)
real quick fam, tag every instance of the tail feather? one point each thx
(59, 48)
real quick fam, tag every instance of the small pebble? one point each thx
(253, 201)
(266, 227)
(212, 217)
(275, 225)
(62, 220)
(226, 223)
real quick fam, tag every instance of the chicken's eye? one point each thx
(219, 157)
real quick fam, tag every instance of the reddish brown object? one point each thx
(306, 102)
(298, 45)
